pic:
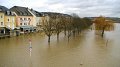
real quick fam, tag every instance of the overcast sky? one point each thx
(82, 7)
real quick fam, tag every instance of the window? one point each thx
(8, 19)
(20, 23)
(25, 23)
(20, 18)
(1, 16)
(25, 18)
(28, 18)
(1, 23)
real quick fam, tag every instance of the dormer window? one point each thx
(8, 12)
(25, 14)
(20, 13)
(12, 13)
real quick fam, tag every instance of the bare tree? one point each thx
(69, 25)
(48, 26)
(58, 25)
(64, 23)
(79, 24)
(57, 22)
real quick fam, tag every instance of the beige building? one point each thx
(10, 20)
(24, 19)
(37, 16)
(2, 19)
(2, 26)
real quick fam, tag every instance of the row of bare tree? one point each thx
(70, 24)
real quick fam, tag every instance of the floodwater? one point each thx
(84, 50)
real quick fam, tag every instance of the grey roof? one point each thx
(36, 13)
(3, 8)
(9, 13)
(6, 11)
(21, 11)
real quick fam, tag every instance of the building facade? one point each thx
(2, 19)
(7, 21)
(24, 19)
(36, 19)
(10, 20)
(2, 26)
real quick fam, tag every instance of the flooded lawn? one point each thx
(84, 50)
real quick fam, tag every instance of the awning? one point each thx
(27, 27)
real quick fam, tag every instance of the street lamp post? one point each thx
(30, 50)
(30, 47)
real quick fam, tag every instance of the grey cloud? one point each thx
(93, 8)
(81, 7)
(51, 2)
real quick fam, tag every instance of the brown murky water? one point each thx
(85, 50)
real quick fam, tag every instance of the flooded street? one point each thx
(84, 50)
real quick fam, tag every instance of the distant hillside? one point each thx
(54, 13)
(115, 19)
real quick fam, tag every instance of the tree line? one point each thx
(55, 23)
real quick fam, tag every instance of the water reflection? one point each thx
(85, 50)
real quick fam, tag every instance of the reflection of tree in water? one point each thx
(102, 41)
(74, 42)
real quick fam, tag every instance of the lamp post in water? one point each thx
(30, 46)
(30, 49)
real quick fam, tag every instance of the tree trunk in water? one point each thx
(103, 31)
(49, 39)
(57, 36)
(68, 35)
(68, 38)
